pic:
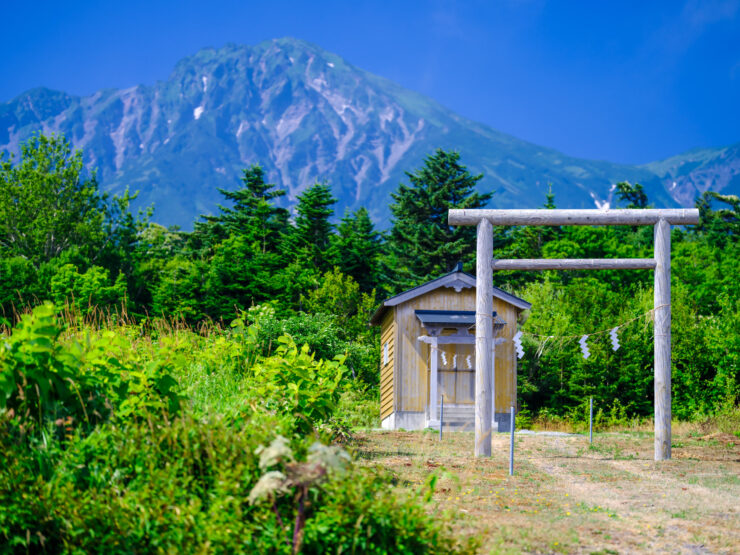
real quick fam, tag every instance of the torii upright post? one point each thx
(483, 339)
(662, 341)
(661, 263)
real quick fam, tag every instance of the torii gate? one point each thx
(661, 219)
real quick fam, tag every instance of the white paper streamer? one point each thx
(470, 362)
(615, 339)
(584, 346)
(454, 361)
(518, 344)
(444, 358)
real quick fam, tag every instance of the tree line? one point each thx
(62, 239)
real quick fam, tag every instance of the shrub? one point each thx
(185, 487)
(89, 290)
(151, 474)
(326, 338)
(364, 515)
(293, 382)
(359, 407)
(48, 378)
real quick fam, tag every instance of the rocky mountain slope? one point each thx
(305, 114)
(690, 174)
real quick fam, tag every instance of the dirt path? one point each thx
(567, 496)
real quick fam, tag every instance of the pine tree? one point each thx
(550, 198)
(243, 246)
(634, 194)
(356, 249)
(253, 214)
(310, 240)
(421, 244)
(722, 225)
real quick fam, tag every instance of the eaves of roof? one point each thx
(456, 279)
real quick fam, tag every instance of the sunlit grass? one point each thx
(567, 496)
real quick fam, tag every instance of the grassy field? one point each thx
(572, 497)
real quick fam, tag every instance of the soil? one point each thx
(569, 496)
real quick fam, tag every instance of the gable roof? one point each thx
(456, 279)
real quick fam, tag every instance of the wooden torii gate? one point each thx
(661, 219)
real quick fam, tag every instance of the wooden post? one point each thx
(544, 216)
(493, 384)
(483, 339)
(662, 219)
(434, 356)
(662, 332)
(575, 264)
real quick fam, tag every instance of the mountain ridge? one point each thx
(308, 115)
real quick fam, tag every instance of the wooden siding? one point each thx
(456, 380)
(412, 357)
(387, 375)
(505, 361)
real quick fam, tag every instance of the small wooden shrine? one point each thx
(428, 354)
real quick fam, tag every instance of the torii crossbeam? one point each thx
(661, 219)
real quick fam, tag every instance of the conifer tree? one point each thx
(421, 244)
(356, 249)
(243, 245)
(310, 240)
(721, 225)
(633, 194)
(526, 241)
(253, 215)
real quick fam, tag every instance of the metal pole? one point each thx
(511, 441)
(441, 415)
(591, 419)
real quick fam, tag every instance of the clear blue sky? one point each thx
(622, 81)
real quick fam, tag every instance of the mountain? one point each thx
(690, 174)
(305, 114)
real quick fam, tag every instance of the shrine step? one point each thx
(459, 417)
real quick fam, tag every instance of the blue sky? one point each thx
(622, 81)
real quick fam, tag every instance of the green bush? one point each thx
(364, 515)
(47, 376)
(326, 338)
(293, 382)
(185, 487)
(88, 291)
(359, 407)
(18, 284)
(131, 468)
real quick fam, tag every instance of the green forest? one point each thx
(162, 389)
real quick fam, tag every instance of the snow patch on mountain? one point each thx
(243, 126)
(599, 204)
